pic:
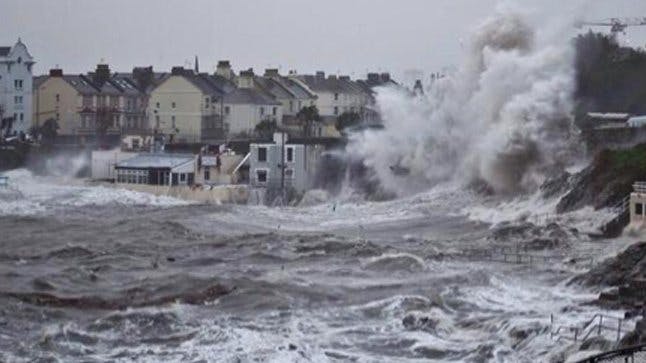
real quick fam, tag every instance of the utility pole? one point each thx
(282, 167)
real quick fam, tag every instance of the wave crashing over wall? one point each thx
(503, 119)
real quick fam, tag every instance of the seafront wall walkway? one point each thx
(221, 194)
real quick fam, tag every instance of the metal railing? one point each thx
(581, 333)
(639, 187)
(634, 354)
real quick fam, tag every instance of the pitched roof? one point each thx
(4, 51)
(271, 86)
(297, 89)
(81, 84)
(249, 96)
(38, 80)
(332, 85)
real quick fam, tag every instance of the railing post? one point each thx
(619, 330)
(600, 324)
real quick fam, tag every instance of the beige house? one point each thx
(186, 107)
(246, 106)
(335, 95)
(80, 102)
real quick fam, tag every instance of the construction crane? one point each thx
(617, 25)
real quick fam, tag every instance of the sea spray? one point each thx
(504, 119)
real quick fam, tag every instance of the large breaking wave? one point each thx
(503, 119)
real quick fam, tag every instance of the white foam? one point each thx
(34, 195)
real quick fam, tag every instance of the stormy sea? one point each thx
(98, 274)
(467, 261)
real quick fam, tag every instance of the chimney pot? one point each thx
(56, 72)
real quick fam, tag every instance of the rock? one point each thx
(424, 323)
(291, 346)
(607, 180)
(618, 271)
(596, 343)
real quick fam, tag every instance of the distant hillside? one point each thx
(610, 78)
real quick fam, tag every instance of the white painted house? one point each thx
(16, 85)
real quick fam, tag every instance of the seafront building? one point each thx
(15, 86)
(283, 166)
(98, 102)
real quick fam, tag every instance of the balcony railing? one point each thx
(639, 187)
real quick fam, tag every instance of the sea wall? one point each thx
(224, 194)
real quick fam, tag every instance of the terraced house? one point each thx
(99, 103)
(192, 107)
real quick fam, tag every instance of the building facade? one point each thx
(84, 105)
(280, 165)
(15, 86)
(186, 107)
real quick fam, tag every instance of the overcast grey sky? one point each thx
(344, 36)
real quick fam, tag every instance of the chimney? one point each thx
(385, 77)
(344, 78)
(224, 69)
(373, 77)
(245, 80)
(102, 74)
(56, 72)
(271, 72)
(144, 76)
(177, 71)
(320, 75)
(418, 89)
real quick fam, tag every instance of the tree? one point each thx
(609, 77)
(308, 116)
(6, 124)
(347, 120)
(266, 128)
(49, 130)
(105, 117)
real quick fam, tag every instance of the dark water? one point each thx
(115, 281)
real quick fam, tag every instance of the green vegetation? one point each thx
(610, 78)
(348, 120)
(307, 117)
(633, 159)
(266, 128)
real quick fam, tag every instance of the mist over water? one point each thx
(504, 118)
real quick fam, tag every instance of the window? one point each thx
(172, 105)
(58, 98)
(17, 100)
(172, 118)
(157, 104)
(274, 111)
(227, 110)
(262, 111)
(262, 154)
(207, 174)
(22, 116)
(157, 121)
(336, 110)
(261, 176)
(336, 96)
(639, 209)
(182, 177)
(289, 173)
(289, 156)
(17, 84)
(87, 101)
(206, 102)
(291, 106)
